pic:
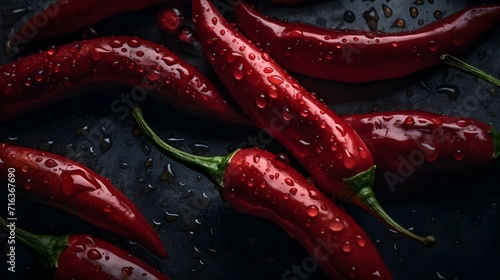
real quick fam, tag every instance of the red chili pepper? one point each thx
(68, 185)
(67, 16)
(327, 147)
(356, 56)
(83, 257)
(262, 184)
(415, 143)
(59, 73)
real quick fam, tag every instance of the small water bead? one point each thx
(438, 14)
(133, 43)
(52, 50)
(347, 247)
(434, 46)
(293, 191)
(273, 92)
(413, 12)
(401, 23)
(360, 241)
(289, 182)
(98, 53)
(214, 21)
(27, 184)
(265, 56)
(458, 155)
(94, 254)
(275, 79)
(312, 210)
(238, 72)
(336, 225)
(349, 16)
(97, 268)
(50, 163)
(127, 270)
(281, 161)
(25, 168)
(349, 162)
(387, 11)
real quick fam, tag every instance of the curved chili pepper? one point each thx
(68, 185)
(259, 183)
(83, 257)
(66, 16)
(357, 56)
(413, 143)
(59, 73)
(327, 147)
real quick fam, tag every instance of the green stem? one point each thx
(496, 142)
(361, 193)
(462, 65)
(47, 247)
(215, 166)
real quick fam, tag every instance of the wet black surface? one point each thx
(205, 238)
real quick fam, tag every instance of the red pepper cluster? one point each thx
(255, 61)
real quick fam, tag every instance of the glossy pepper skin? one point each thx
(70, 186)
(357, 56)
(150, 69)
(65, 16)
(326, 146)
(259, 183)
(84, 257)
(409, 144)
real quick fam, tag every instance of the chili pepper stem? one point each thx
(467, 68)
(47, 247)
(496, 142)
(365, 198)
(215, 165)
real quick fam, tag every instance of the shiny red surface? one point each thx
(262, 184)
(356, 56)
(66, 184)
(88, 257)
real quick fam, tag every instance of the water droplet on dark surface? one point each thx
(413, 12)
(451, 91)
(438, 14)
(371, 17)
(349, 16)
(387, 11)
(400, 23)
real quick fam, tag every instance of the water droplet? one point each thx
(347, 247)
(401, 23)
(238, 72)
(349, 16)
(361, 242)
(214, 21)
(272, 92)
(312, 210)
(98, 53)
(458, 154)
(115, 43)
(289, 182)
(336, 225)
(77, 247)
(27, 184)
(281, 161)
(349, 162)
(94, 254)
(286, 196)
(387, 11)
(434, 46)
(275, 79)
(413, 12)
(170, 217)
(50, 163)
(25, 168)
(261, 101)
(371, 17)
(293, 191)
(107, 208)
(52, 50)
(268, 70)
(133, 43)
(127, 270)
(97, 268)
(438, 14)
(265, 56)
(451, 91)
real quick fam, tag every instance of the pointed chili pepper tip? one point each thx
(361, 193)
